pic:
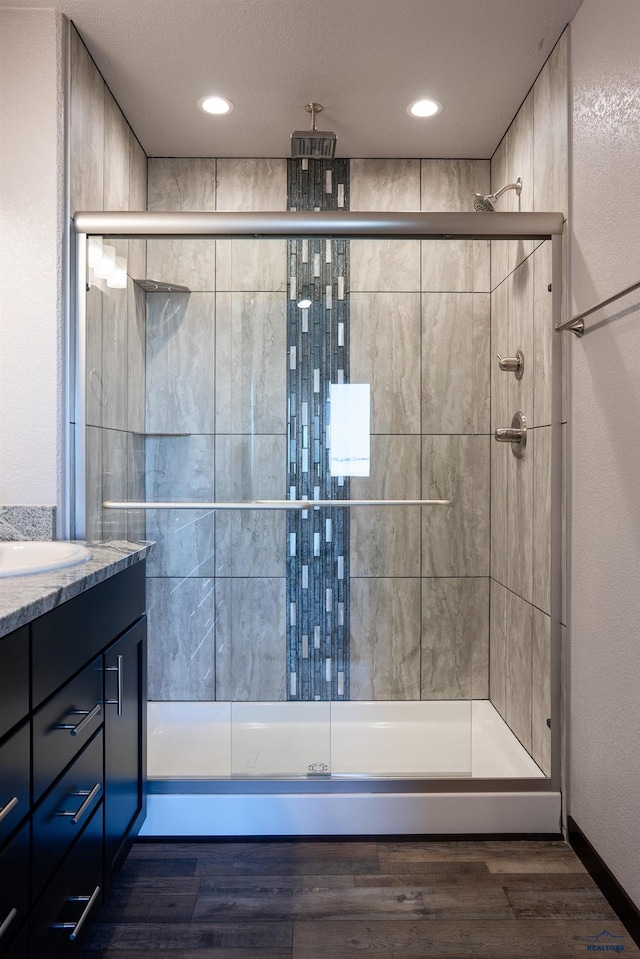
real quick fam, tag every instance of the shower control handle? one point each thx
(509, 435)
(512, 364)
(516, 434)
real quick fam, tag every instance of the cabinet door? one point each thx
(125, 744)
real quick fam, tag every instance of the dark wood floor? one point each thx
(348, 900)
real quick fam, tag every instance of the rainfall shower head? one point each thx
(313, 144)
(484, 204)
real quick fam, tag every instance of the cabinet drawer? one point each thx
(64, 811)
(14, 678)
(73, 633)
(78, 707)
(70, 895)
(14, 781)
(14, 886)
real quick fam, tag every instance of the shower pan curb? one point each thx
(351, 814)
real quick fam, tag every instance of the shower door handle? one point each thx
(287, 504)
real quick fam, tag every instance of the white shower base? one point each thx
(356, 739)
(200, 741)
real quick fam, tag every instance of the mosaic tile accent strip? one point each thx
(318, 355)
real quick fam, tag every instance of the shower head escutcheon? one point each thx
(313, 144)
(484, 204)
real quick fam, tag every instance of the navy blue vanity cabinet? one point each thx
(15, 788)
(124, 745)
(72, 763)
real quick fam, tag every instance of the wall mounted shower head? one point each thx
(313, 144)
(484, 204)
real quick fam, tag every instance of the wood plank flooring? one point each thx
(351, 899)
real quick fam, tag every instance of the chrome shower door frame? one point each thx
(353, 225)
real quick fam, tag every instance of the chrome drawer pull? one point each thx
(76, 816)
(87, 716)
(77, 926)
(5, 925)
(116, 669)
(7, 809)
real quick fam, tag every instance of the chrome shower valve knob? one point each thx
(516, 434)
(512, 364)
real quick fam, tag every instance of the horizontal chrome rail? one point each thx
(346, 224)
(288, 504)
(576, 323)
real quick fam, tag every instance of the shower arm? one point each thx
(286, 504)
(517, 186)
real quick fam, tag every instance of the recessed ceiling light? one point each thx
(215, 105)
(424, 108)
(304, 304)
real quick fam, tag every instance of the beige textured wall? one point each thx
(604, 746)
(31, 251)
(535, 148)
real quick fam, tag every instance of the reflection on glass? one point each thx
(350, 429)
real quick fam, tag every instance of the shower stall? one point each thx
(311, 445)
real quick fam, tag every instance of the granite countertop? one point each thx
(24, 598)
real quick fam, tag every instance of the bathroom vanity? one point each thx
(72, 746)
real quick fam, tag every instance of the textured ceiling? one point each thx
(365, 60)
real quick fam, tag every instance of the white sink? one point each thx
(20, 558)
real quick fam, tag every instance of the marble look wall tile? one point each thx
(385, 337)
(385, 639)
(180, 362)
(136, 487)
(86, 137)
(189, 263)
(250, 543)
(115, 482)
(500, 453)
(114, 359)
(116, 157)
(501, 402)
(385, 541)
(551, 137)
(541, 691)
(499, 248)
(455, 539)
(520, 392)
(251, 265)
(250, 657)
(519, 635)
(251, 355)
(519, 164)
(390, 185)
(455, 638)
(183, 185)
(455, 362)
(93, 489)
(449, 185)
(137, 249)
(541, 595)
(180, 468)
(498, 648)
(520, 520)
(383, 266)
(249, 185)
(94, 393)
(543, 334)
(181, 661)
(456, 266)
(136, 357)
